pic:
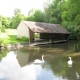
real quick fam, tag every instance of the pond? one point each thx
(18, 64)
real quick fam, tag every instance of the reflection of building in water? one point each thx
(25, 56)
(22, 58)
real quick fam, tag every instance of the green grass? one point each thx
(10, 36)
(36, 35)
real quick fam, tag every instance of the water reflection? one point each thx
(18, 64)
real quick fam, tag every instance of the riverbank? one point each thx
(9, 37)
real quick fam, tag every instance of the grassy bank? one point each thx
(10, 37)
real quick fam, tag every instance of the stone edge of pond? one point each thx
(18, 45)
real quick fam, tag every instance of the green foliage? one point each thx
(53, 20)
(36, 15)
(3, 28)
(36, 36)
(24, 39)
(39, 16)
(16, 19)
(17, 11)
(71, 18)
(66, 13)
(53, 12)
(1, 40)
(0, 22)
(30, 18)
(4, 21)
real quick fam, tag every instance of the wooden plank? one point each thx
(59, 41)
(46, 42)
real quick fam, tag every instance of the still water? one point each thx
(18, 64)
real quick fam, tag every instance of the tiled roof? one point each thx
(40, 27)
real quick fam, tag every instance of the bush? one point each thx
(24, 38)
(3, 28)
(1, 40)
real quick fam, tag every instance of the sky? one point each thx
(7, 7)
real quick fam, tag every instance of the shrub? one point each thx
(24, 38)
(3, 28)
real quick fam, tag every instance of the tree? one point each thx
(71, 18)
(30, 16)
(17, 18)
(6, 21)
(0, 22)
(36, 15)
(39, 16)
(66, 13)
(17, 11)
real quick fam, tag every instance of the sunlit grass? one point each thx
(11, 31)
(10, 36)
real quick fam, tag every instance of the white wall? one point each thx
(22, 30)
